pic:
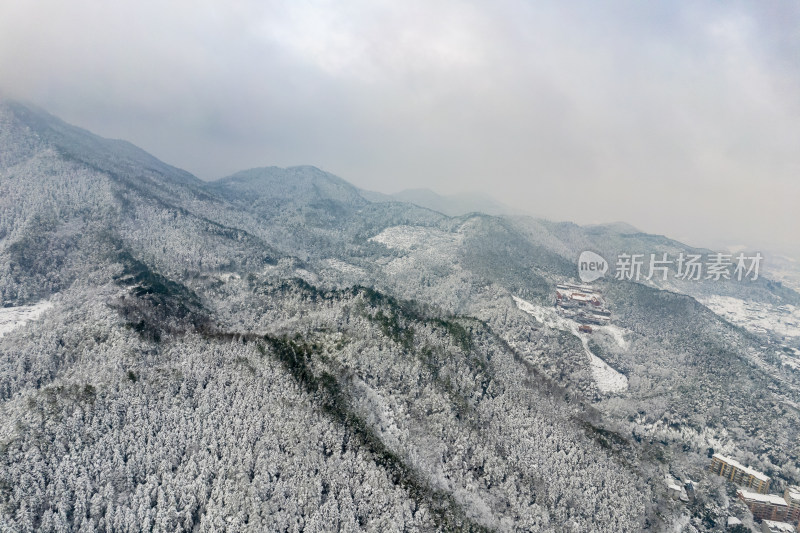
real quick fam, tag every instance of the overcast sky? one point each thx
(679, 117)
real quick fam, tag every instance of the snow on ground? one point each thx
(790, 361)
(307, 276)
(606, 378)
(426, 249)
(783, 320)
(14, 317)
(546, 315)
(784, 269)
(345, 268)
(412, 237)
(617, 333)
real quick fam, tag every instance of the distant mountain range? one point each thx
(450, 205)
(279, 350)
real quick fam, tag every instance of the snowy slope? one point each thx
(607, 379)
(14, 317)
(758, 317)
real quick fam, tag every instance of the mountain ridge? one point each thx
(273, 350)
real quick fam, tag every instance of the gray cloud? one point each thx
(682, 118)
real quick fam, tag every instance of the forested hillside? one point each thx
(274, 352)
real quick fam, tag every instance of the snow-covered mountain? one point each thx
(278, 350)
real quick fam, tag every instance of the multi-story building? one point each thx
(737, 473)
(792, 497)
(765, 506)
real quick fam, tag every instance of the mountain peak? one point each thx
(27, 129)
(305, 181)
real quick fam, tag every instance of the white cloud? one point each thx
(639, 111)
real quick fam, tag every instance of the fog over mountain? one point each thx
(680, 118)
(452, 205)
